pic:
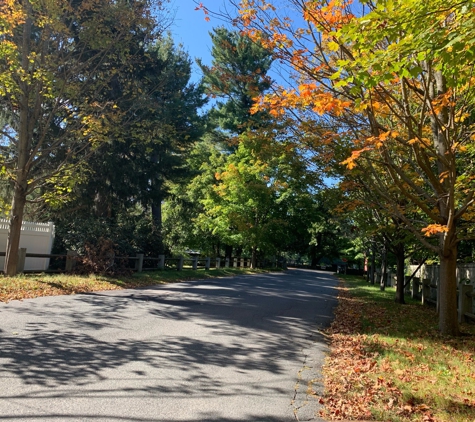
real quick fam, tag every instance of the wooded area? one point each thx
(364, 153)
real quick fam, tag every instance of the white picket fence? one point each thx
(35, 237)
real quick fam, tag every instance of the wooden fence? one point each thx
(425, 289)
(140, 262)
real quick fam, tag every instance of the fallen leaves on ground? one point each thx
(380, 369)
(21, 288)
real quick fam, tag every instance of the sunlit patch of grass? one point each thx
(26, 286)
(404, 369)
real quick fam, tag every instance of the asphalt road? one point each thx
(232, 349)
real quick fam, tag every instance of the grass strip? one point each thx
(27, 286)
(388, 362)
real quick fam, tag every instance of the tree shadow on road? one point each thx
(241, 335)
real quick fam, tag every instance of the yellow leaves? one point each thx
(255, 108)
(433, 229)
(442, 101)
(379, 140)
(308, 96)
(327, 103)
(461, 116)
(306, 90)
(333, 46)
(11, 15)
(247, 12)
(281, 41)
(327, 18)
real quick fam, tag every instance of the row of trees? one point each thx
(103, 133)
(385, 89)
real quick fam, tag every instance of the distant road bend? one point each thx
(235, 349)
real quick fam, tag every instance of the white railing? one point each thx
(35, 237)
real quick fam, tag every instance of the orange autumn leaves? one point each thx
(308, 96)
(378, 107)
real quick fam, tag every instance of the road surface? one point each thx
(243, 348)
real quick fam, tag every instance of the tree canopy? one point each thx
(387, 86)
(59, 63)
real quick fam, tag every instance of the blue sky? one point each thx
(190, 29)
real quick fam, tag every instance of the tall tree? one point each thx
(254, 192)
(160, 123)
(57, 60)
(238, 74)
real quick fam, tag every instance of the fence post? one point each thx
(242, 263)
(161, 262)
(139, 262)
(226, 263)
(218, 263)
(389, 281)
(195, 263)
(20, 266)
(71, 260)
(235, 263)
(425, 291)
(465, 301)
(180, 263)
(415, 287)
(207, 263)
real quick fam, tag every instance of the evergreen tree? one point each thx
(238, 75)
(129, 177)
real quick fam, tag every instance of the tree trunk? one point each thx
(313, 256)
(448, 318)
(157, 223)
(384, 269)
(400, 253)
(254, 257)
(373, 263)
(228, 251)
(14, 232)
(367, 265)
(25, 131)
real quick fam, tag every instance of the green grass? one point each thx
(35, 285)
(400, 368)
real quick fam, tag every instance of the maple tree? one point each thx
(59, 64)
(256, 194)
(393, 85)
(369, 200)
